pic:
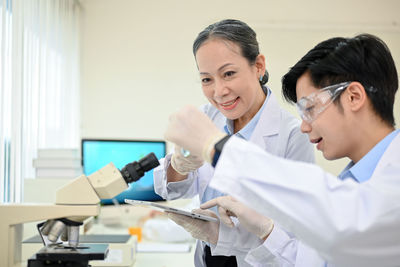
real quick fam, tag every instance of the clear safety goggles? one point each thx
(310, 106)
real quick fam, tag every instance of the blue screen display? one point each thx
(98, 153)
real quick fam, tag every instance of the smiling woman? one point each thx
(39, 85)
(233, 78)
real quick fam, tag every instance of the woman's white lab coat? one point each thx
(349, 224)
(277, 132)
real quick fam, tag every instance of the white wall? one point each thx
(138, 67)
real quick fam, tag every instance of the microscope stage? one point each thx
(59, 253)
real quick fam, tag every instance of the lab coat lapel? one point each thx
(268, 124)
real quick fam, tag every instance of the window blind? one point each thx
(39, 85)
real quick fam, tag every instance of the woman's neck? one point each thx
(241, 122)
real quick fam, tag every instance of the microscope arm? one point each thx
(14, 215)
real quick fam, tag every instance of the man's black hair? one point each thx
(364, 58)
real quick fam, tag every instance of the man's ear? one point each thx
(356, 96)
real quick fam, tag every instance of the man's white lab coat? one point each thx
(349, 224)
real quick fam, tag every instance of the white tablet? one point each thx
(170, 209)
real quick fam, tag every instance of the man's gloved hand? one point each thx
(184, 165)
(194, 131)
(199, 229)
(254, 222)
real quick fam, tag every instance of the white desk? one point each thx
(165, 259)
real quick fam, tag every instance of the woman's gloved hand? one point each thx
(199, 229)
(194, 131)
(254, 222)
(184, 165)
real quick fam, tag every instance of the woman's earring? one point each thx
(261, 77)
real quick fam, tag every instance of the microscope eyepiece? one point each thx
(149, 162)
(135, 170)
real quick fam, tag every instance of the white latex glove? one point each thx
(254, 222)
(184, 165)
(194, 131)
(199, 229)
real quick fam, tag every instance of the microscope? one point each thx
(75, 202)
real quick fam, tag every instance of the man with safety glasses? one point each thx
(344, 89)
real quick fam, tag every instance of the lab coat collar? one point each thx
(363, 170)
(390, 157)
(269, 122)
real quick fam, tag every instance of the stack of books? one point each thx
(58, 163)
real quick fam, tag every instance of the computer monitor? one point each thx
(96, 153)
